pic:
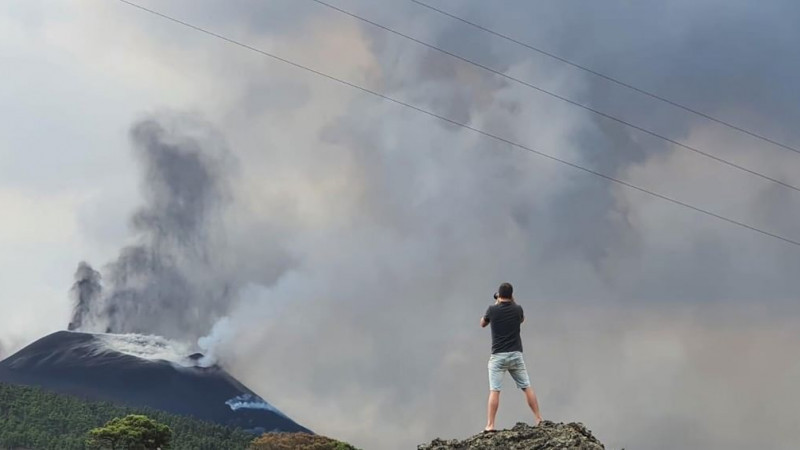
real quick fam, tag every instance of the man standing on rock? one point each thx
(506, 316)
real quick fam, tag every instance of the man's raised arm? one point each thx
(485, 318)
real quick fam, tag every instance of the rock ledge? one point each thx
(547, 436)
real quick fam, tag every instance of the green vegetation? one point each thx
(298, 441)
(133, 431)
(34, 418)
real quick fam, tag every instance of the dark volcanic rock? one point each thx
(546, 436)
(79, 364)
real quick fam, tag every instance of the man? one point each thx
(506, 316)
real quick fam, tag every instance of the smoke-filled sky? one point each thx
(345, 247)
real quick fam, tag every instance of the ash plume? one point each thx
(395, 220)
(169, 282)
(85, 293)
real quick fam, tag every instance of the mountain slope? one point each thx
(130, 371)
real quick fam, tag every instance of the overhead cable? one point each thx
(562, 98)
(463, 125)
(609, 78)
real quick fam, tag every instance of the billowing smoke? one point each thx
(403, 227)
(210, 345)
(85, 293)
(170, 282)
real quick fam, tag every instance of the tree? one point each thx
(132, 432)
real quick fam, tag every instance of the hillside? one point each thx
(33, 418)
(141, 372)
(546, 436)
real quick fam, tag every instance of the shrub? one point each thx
(297, 441)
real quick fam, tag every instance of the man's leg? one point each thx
(496, 372)
(491, 409)
(520, 374)
(530, 396)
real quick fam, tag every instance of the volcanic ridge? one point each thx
(141, 371)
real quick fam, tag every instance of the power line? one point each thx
(609, 78)
(561, 97)
(463, 125)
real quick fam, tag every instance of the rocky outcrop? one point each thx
(546, 436)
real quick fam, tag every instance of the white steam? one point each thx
(249, 401)
(155, 348)
(210, 344)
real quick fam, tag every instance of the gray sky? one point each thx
(358, 242)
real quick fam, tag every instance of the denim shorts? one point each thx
(512, 362)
